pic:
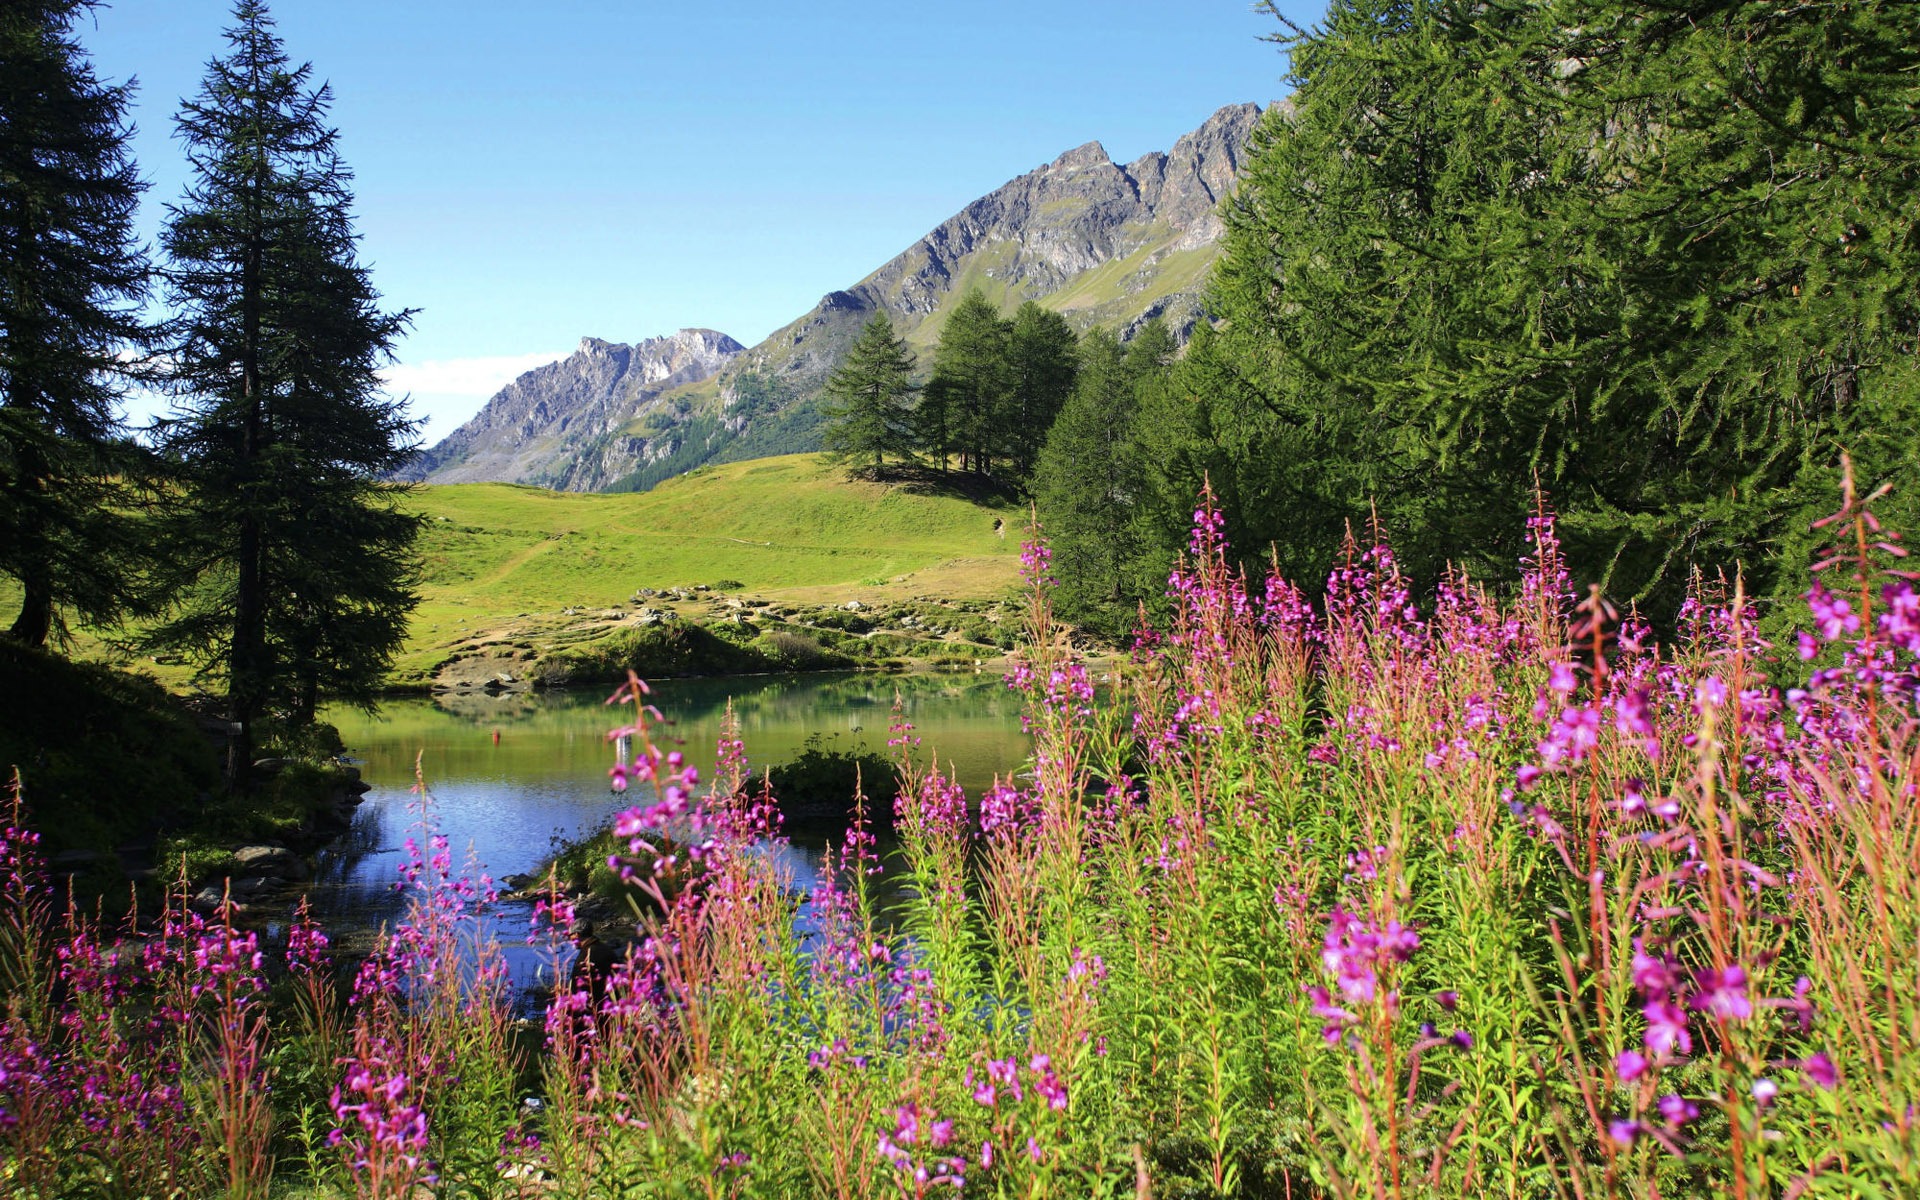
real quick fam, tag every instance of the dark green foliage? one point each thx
(103, 755)
(868, 406)
(297, 562)
(961, 415)
(1090, 484)
(816, 790)
(1663, 267)
(71, 283)
(1041, 365)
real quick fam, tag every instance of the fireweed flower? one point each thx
(1834, 616)
(1036, 563)
(1354, 952)
(1820, 1071)
(380, 1123)
(1666, 1033)
(905, 1147)
(1722, 993)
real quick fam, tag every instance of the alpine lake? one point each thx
(510, 777)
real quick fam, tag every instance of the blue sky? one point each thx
(529, 174)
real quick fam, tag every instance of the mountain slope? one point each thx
(560, 425)
(1100, 242)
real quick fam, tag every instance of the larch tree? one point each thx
(299, 558)
(72, 279)
(970, 384)
(1042, 361)
(869, 406)
(1087, 488)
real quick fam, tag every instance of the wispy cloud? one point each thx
(480, 377)
(445, 392)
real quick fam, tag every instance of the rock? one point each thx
(253, 885)
(207, 900)
(73, 860)
(853, 606)
(264, 859)
(269, 766)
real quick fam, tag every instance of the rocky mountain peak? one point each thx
(585, 403)
(1093, 154)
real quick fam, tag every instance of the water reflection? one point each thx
(511, 776)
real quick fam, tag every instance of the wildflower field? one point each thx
(1334, 898)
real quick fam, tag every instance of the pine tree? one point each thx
(869, 400)
(71, 283)
(1042, 361)
(970, 386)
(1087, 488)
(300, 557)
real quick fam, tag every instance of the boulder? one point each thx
(263, 859)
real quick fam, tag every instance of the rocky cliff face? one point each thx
(1102, 243)
(570, 425)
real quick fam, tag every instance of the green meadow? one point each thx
(503, 559)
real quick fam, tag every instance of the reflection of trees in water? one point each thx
(340, 888)
(799, 700)
(489, 708)
(790, 697)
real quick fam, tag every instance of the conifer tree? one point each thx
(1088, 486)
(970, 385)
(869, 400)
(1665, 268)
(71, 282)
(1041, 365)
(300, 558)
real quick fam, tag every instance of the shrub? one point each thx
(816, 789)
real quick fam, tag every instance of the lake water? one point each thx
(507, 801)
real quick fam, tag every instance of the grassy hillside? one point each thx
(504, 560)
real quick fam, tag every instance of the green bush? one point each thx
(798, 652)
(817, 788)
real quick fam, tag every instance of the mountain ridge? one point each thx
(1101, 242)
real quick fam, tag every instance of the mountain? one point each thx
(561, 425)
(1100, 242)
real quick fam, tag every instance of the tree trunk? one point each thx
(35, 621)
(246, 672)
